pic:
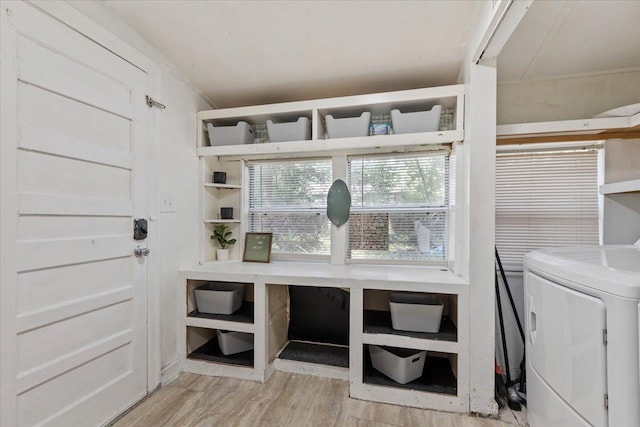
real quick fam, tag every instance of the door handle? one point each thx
(140, 251)
(533, 320)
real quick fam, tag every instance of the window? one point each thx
(399, 207)
(545, 200)
(289, 199)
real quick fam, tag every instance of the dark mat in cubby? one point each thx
(211, 351)
(437, 376)
(320, 354)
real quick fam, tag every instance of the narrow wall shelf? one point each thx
(222, 221)
(207, 323)
(630, 186)
(228, 186)
(570, 130)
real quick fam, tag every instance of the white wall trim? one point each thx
(8, 221)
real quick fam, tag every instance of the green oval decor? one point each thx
(338, 203)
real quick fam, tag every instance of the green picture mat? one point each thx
(257, 247)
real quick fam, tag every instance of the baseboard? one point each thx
(170, 372)
(325, 371)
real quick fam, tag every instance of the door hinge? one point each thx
(604, 336)
(606, 401)
(153, 103)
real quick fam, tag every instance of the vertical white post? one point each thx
(480, 147)
(244, 207)
(8, 218)
(261, 329)
(201, 204)
(356, 351)
(315, 125)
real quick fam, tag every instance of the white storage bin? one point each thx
(234, 342)
(400, 364)
(241, 133)
(421, 121)
(299, 130)
(415, 312)
(219, 297)
(349, 127)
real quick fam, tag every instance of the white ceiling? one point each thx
(254, 52)
(570, 38)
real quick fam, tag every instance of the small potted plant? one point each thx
(222, 234)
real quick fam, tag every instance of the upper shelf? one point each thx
(335, 145)
(570, 130)
(451, 98)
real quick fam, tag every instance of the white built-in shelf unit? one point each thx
(262, 316)
(350, 106)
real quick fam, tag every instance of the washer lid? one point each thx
(611, 268)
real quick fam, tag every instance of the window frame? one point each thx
(445, 207)
(277, 256)
(339, 236)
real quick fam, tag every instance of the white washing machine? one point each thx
(582, 336)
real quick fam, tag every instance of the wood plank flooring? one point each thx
(285, 400)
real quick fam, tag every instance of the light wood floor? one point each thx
(285, 400)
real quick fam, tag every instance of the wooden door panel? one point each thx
(52, 123)
(40, 290)
(61, 227)
(73, 335)
(45, 174)
(53, 398)
(71, 78)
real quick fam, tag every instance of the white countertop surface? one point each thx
(324, 273)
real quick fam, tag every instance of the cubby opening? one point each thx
(381, 112)
(257, 121)
(233, 169)
(202, 344)
(439, 374)
(309, 324)
(377, 317)
(245, 314)
(211, 245)
(216, 196)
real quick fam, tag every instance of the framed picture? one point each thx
(257, 247)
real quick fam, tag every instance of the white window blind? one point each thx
(289, 199)
(399, 207)
(545, 200)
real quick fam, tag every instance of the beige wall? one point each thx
(567, 98)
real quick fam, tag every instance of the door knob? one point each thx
(140, 251)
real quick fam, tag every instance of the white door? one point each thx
(566, 350)
(74, 296)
